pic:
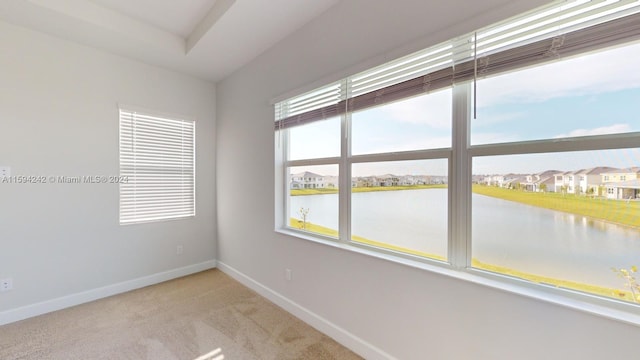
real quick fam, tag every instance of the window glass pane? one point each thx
(313, 199)
(422, 122)
(316, 140)
(592, 94)
(564, 219)
(401, 206)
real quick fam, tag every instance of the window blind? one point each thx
(319, 104)
(157, 156)
(561, 29)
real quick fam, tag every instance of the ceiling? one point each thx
(209, 39)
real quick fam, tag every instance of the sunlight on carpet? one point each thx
(214, 355)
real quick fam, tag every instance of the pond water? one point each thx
(523, 237)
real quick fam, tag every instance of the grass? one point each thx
(559, 283)
(298, 192)
(620, 212)
(538, 279)
(317, 229)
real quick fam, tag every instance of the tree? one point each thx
(631, 282)
(303, 214)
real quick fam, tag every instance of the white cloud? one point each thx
(432, 110)
(613, 129)
(601, 72)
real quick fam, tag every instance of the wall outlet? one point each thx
(5, 171)
(288, 274)
(179, 250)
(6, 284)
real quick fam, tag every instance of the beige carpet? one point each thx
(207, 315)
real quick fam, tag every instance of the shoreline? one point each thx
(570, 204)
(612, 293)
(324, 191)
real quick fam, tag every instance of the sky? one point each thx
(589, 95)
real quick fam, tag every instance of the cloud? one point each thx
(433, 110)
(613, 129)
(606, 71)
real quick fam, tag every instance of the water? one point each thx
(552, 243)
(523, 237)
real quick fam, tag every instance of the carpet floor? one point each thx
(205, 316)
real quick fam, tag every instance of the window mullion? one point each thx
(344, 206)
(282, 149)
(460, 180)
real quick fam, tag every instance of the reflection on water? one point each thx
(563, 218)
(551, 243)
(523, 237)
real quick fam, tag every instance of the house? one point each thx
(388, 180)
(542, 181)
(590, 180)
(366, 181)
(623, 190)
(570, 182)
(559, 182)
(66, 65)
(309, 180)
(621, 183)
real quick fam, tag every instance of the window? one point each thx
(485, 153)
(157, 158)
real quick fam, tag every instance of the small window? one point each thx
(157, 162)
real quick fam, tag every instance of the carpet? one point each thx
(205, 316)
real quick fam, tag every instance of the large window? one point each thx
(512, 152)
(157, 165)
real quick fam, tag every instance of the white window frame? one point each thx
(460, 157)
(157, 166)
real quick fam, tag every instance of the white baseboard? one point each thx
(64, 302)
(354, 343)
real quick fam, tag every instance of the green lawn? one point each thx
(615, 211)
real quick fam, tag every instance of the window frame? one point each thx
(460, 157)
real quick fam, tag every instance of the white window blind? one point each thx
(560, 29)
(157, 156)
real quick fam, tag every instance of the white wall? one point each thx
(59, 116)
(406, 312)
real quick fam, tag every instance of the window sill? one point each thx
(606, 308)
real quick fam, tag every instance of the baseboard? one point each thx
(64, 302)
(357, 345)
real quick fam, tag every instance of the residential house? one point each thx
(308, 180)
(621, 183)
(589, 181)
(543, 181)
(388, 180)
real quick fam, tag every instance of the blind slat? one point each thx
(157, 155)
(560, 30)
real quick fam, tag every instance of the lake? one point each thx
(523, 237)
